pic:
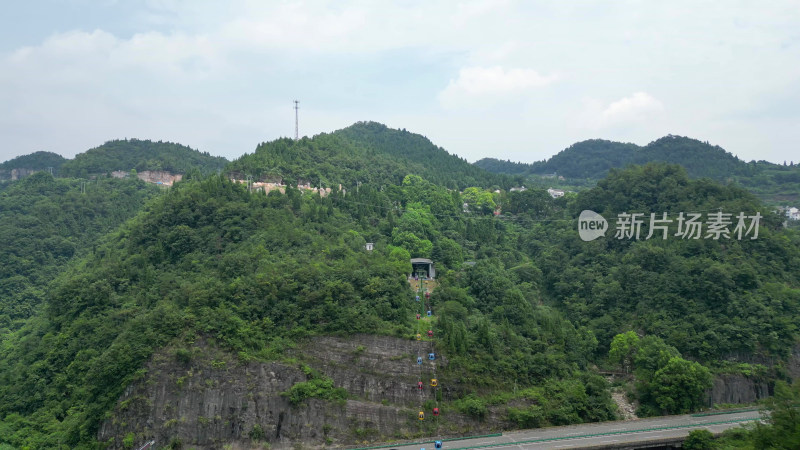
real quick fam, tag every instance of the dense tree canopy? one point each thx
(595, 157)
(524, 310)
(140, 155)
(34, 161)
(584, 163)
(44, 223)
(364, 153)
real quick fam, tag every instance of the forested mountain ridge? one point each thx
(517, 336)
(33, 162)
(583, 163)
(425, 158)
(140, 155)
(37, 160)
(366, 152)
(593, 158)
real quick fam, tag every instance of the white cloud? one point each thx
(487, 82)
(221, 76)
(80, 57)
(631, 110)
(291, 26)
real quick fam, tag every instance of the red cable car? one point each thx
(419, 385)
(435, 411)
(430, 333)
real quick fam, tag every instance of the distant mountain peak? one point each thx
(594, 157)
(364, 152)
(141, 155)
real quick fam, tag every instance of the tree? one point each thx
(623, 349)
(400, 259)
(418, 220)
(653, 354)
(699, 440)
(448, 252)
(679, 387)
(418, 248)
(782, 412)
(479, 199)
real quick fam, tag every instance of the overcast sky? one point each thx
(517, 80)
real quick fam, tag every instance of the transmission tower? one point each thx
(296, 129)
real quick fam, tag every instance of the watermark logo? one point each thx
(686, 226)
(591, 225)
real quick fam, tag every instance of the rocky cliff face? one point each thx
(737, 389)
(202, 397)
(17, 173)
(732, 389)
(159, 177)
(793, 365)
(207, 398)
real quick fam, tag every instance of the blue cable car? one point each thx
(419, 359)
(437, 444)
(431, 356)
(429, 313)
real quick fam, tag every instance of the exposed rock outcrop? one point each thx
(211, 398)
(17, 173)
(793, 365)
(151, 176)
(159, 177)
(732, 389)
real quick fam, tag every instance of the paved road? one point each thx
(599, 434)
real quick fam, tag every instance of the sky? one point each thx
(517, 80)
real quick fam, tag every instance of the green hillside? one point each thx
(259, 272)
(25, 164)
(588, 161)
(140, 155)
(44, 223)
(366, 152)
(36, 160)
(594, 158)
(525, 312)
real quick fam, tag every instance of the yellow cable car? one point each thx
(434, 382)
(419, 337)
(421, 415)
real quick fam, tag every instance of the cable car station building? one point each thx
(423, 268)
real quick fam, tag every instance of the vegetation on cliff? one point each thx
(524, 310)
